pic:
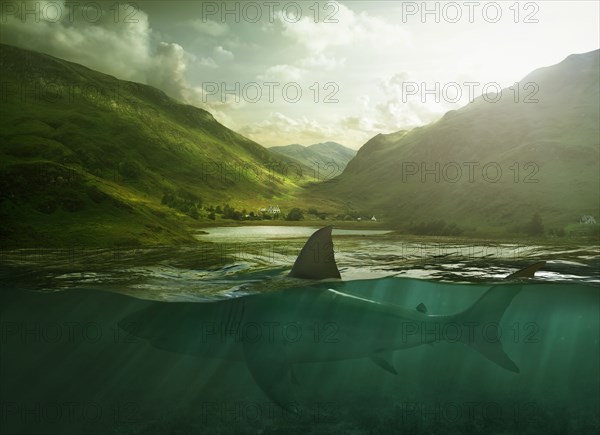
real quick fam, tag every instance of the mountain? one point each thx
(330, 157)
(489, 167)
(87, 158)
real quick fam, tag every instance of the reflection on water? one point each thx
(275, 232)
(230, 264)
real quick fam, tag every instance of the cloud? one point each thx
(126, 49)
(282, 73)
(322, 62)
(103, 45)
(280, 129)
(208, 27)
(221, 53)
(168, 69)
(303, 69)
(407, 104)
(369, 116)
(205, 62)
(350, 29)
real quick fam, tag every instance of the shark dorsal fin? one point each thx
(316, 260)
(528, 272)
(422, 308)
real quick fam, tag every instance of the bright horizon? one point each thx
(369, 60)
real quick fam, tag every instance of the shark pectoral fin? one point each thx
(271, 372)
(528, 272)
(384, 360)
(317, 259)
(422, 308)
(494, 351)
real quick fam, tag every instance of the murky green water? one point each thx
(67, 366)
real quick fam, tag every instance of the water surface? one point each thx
(71, 370)
(232, 261)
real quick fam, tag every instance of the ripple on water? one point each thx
(218, 270)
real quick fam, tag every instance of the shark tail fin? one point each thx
(480, 321)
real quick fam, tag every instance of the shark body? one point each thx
(273, 331)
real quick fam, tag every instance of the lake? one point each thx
(71, 368)
(223, 234)
(233, 261)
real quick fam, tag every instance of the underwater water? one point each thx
(69, 366)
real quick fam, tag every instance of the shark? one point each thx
(272, 332)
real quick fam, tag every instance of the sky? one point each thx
(282, 72)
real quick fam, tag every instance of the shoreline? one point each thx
(397, 234)
(195, 229)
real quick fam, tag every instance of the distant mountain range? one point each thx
(489, 167)
(332, 157)
(87, 158)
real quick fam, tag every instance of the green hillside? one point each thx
(489, 167)
(87, 158)
(330, 158)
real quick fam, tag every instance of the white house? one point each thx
(274, 209)
(587, 219)
(373, 219)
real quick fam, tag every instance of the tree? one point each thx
(535, 226)
(295, 214)
(228, 211)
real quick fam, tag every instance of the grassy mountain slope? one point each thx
(87, 158)
(333, 154)
(547, 153)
